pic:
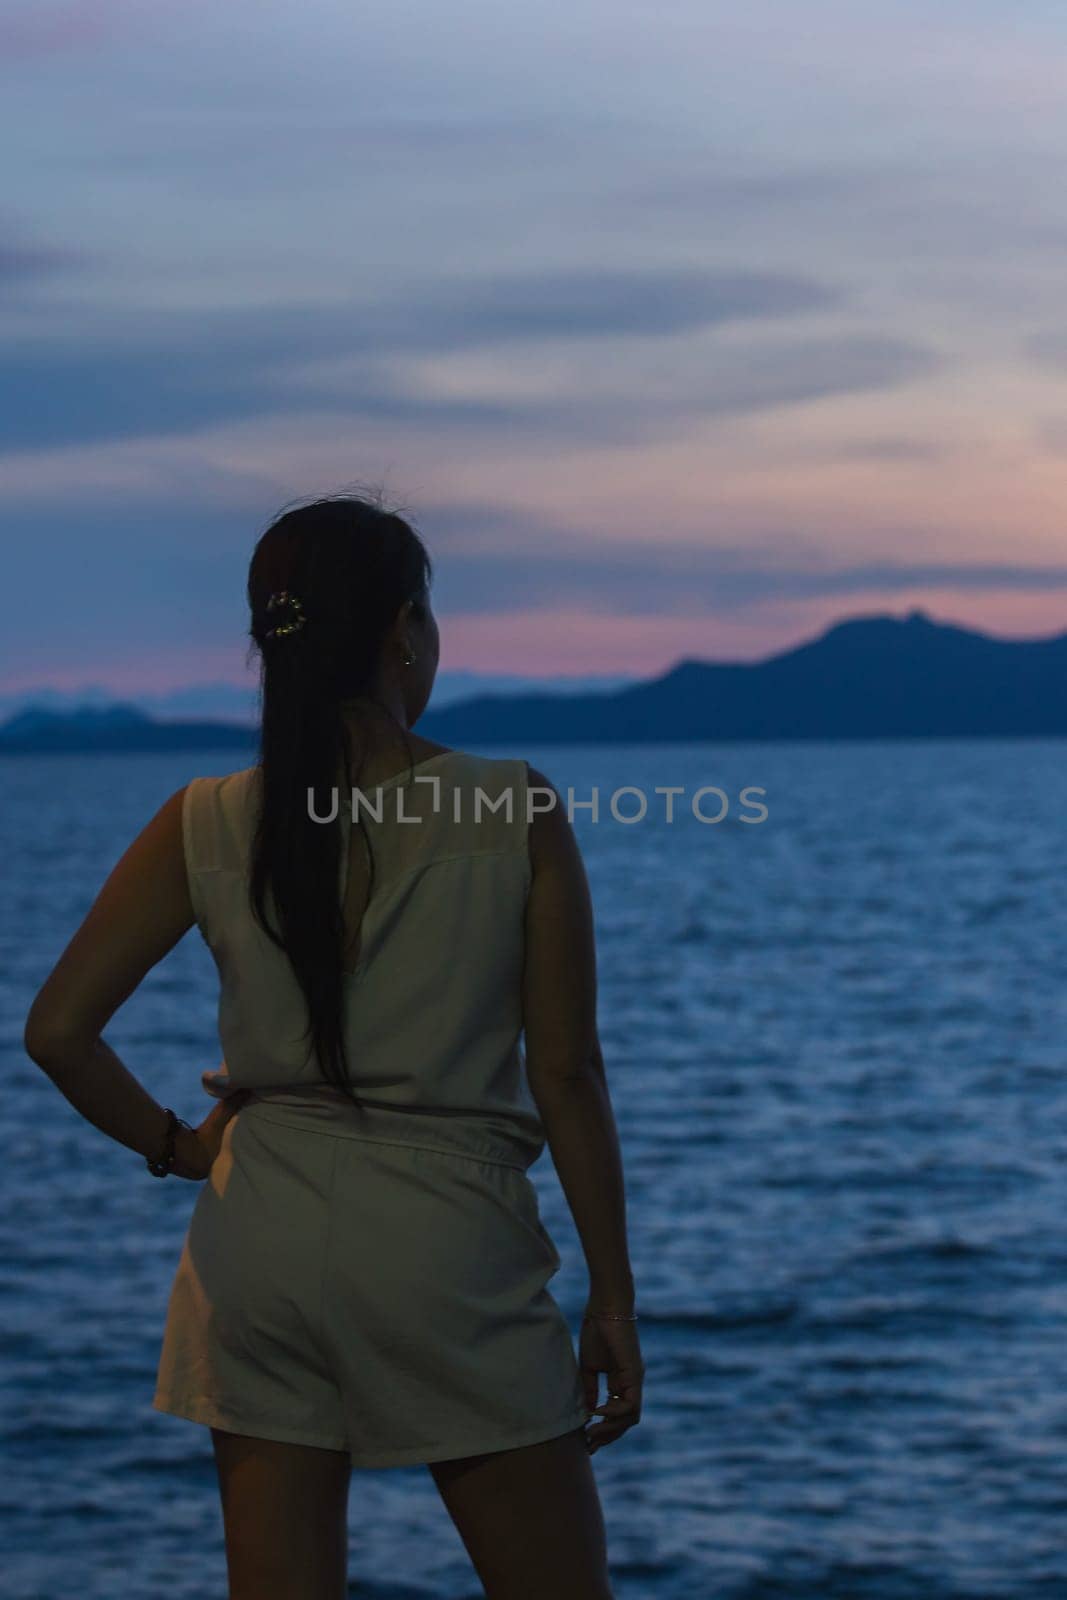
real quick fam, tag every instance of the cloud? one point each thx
(26, 263)
(1047, 348)
(42, 30)
(1051, 435)
(152, 373)
(887, 449)
(530, 568)
(773, 373)
(622, 304)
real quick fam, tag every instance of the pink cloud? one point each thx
(541, 644)
(74, 26)
(137, 675)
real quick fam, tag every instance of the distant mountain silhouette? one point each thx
(116, 727)
(864, 678)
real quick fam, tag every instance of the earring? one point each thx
(409, 660)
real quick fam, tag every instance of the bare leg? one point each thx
(530, 1520)
(285, 1517)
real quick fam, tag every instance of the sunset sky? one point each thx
(681, 329)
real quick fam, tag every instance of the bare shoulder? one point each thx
(538, 780)
(552, 841)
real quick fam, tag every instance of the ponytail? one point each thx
(325, 584)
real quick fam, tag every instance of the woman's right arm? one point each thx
(564, 1064)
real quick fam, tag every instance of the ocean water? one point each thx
(836, 1045)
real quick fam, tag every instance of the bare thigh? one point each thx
(285, 1517)
(530, 1519)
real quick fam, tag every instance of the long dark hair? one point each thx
(351, 563)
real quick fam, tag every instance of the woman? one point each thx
(364, 1278)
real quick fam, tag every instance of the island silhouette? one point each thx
(865, 677)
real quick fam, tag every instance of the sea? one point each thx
(832, 995)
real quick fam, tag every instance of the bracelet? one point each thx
(160, 1167)
(610, 1316)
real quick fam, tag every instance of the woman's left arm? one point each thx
(139, 915)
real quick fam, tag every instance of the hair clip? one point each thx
(285, 597)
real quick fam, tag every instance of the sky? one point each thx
(678, 329)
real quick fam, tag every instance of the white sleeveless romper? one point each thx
(374, 1279)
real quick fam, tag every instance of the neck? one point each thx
(375, 724)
